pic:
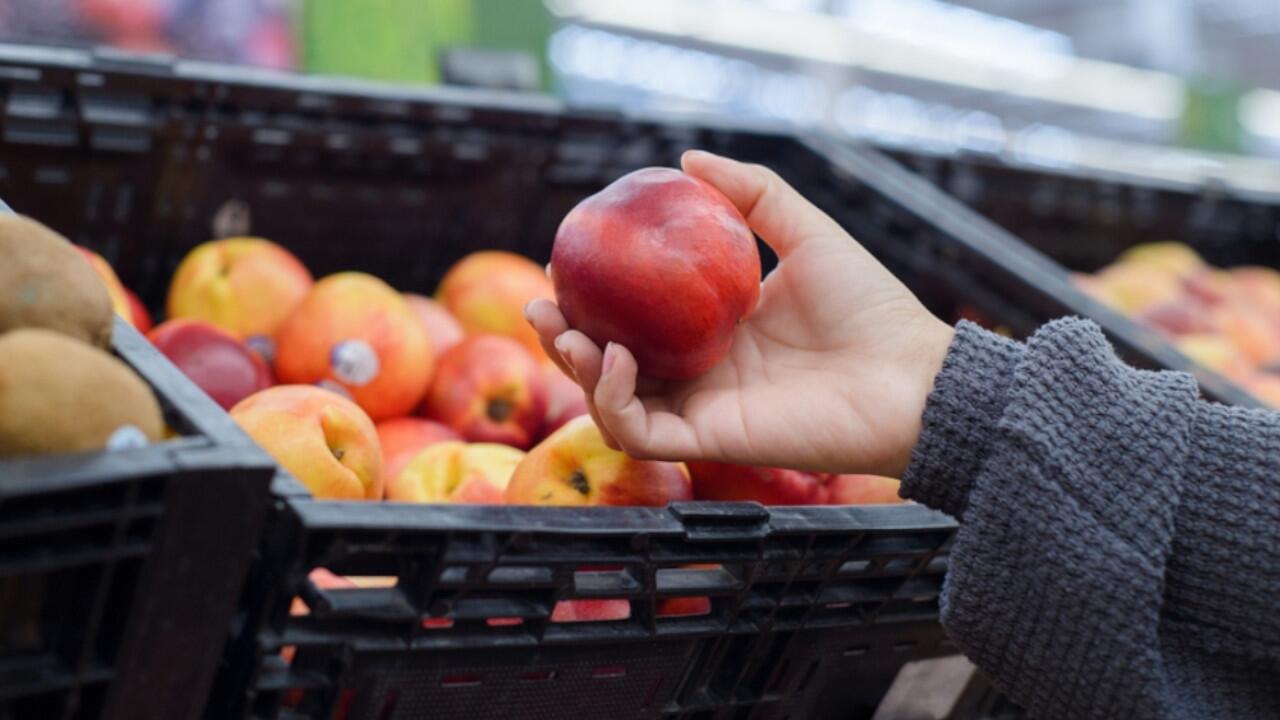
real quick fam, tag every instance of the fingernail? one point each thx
(563, 348)
(610, 357)
(527, 316)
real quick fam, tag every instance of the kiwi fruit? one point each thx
(62, 395)
(46, 283)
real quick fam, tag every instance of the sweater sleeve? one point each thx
(1119, 547)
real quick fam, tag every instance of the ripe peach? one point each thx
(456, 472)
(1253, 333)
(246, 286)
(325, 440)
(443, 329)
(216, 362)
(1131, 288)
(1215, 353)
(1265, 386)
(662, 263)
(487, 291)
(489, 389)
(404, 437)
(1185, 316)
(1210, 286)
(1259, 286)
(355, 334)
(861, 490)
(765, 485)
(115, 289)
(138, 314)
(573, 466)
(1171, 257)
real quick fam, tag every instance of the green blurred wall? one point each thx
(400, 40)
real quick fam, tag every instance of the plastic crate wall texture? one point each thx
(114, 565)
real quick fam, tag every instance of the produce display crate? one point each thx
(1084, 218)
(116, 568)
(813, 609)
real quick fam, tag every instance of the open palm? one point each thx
(831, 372)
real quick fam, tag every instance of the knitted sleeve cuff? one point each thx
(968, 398)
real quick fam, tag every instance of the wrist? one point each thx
(925, 362)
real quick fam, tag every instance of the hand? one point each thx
(830, 373)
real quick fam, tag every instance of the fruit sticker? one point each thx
(126, 437)
(264, 345)
(354, 362)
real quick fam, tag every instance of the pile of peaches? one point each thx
(366, 393)
(1227, 320)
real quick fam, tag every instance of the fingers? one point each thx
(585, 361)
(545, 317)
(640, 431)
(773, 209)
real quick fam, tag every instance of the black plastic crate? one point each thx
(1085, 218)
(813, 610)
(118, 568)
(808, 616)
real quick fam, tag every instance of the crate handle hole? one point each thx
(604, 610)
(461, 680)
(389, 703)
(690, 606)
(604, 672)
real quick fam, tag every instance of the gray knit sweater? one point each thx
(1119, 548)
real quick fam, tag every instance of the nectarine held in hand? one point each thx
(490, 389)
(662, 263)
(354, 334)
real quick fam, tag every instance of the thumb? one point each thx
(773, 209)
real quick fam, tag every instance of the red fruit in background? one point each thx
(403, 438)
(219, 364)
(1183, 317)
(115, 289)
(568, 611)
(765, 485)
(487, 291)
(138, 312)
(662, 263)
(565, 400)
(861, 490)
(489, 388)
(442, 327)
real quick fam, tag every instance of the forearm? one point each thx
(1086, 527)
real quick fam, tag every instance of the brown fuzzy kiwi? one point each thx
(45, 282)
(62, 395)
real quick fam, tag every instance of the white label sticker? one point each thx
(334, 387)
(354, 362)
(127, 437)
(264, 346)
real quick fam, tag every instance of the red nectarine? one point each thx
(662, 263)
